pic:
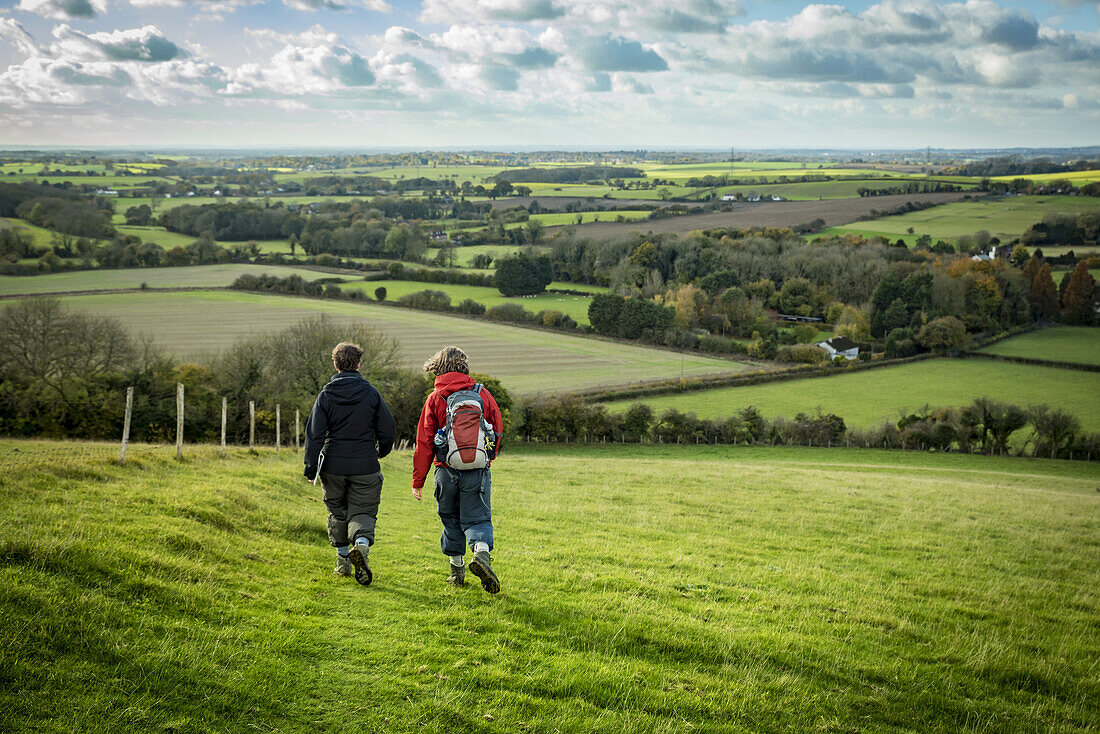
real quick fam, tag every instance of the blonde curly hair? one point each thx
(447, 359)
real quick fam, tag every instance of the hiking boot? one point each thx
(457, 576)
(481, 566)
(343, 566)
(358, 558)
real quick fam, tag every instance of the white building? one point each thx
(840, 346)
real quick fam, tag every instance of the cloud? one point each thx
(207, 7)
(500, 78)
(15, 34)
(380, 6)
(406, 71)
(515, 11)
(146, 44)
(1013, 32)
(312, 63)
(532, 57)
(64, 9)
(610, 53)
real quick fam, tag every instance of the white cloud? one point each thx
(207, 7)
(64, 9)
(15, 34)
(380, 6)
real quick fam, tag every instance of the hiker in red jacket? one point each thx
(462, 448)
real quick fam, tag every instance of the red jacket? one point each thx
(434, 417)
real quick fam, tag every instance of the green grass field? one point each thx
(1079, 178)
(42, 238)
(194, 276)
(644, 590)
(1058, 343)
(868, 398)
(1006, 218)
(576, 307)
(814, 190)
(159, 236)
(194, 325)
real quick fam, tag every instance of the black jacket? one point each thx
(347, 420)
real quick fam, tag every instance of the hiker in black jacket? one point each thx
(349, 429)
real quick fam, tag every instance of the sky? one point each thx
(610, 74)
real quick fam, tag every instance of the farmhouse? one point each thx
(840, 346)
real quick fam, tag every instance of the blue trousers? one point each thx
(462, 501)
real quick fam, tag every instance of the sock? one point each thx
(362, 545)
(456, 561)
(343, 551)
(480, 546)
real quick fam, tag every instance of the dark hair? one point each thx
(346, 356)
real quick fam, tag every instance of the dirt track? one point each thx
(770, 214)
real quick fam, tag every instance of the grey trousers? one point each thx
(352, 502)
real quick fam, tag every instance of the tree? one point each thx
(1031, 268)
(380, 293)
(1077, 302)
(43, 344)
(943, 334)
(523, 274)
(1043, 296)
(637, 421)
(1054, 430)
(534, 230)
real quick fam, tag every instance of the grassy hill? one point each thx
(1058, 343)
(1006, 217)
(194, 325)
(645, 589)
(870, 397)
(193, 276)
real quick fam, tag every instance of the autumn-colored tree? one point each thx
(1031, 269)
(1077, 302)
(1044, 294)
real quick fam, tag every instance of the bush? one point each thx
(510, 312)
(470, 306)
(380, 294)
(802, 354)
(427, 300)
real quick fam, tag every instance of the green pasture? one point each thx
(464, 256)
(867, 398)
(562, 218)
(112, 181)
(576, 307)
(1079, 178)
(841, 189)
(195, 325)
(645, 590)
(909, 239)
(1006, 218)
(191, 276)
(42, 238)
(158, 236)
(1056, 343)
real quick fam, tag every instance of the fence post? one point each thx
(252, 425)
(179, 420)
(223, 426)
(278, 420)
(126, 424)
(297, 420)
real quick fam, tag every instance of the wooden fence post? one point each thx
(297, 422)
(126, 424)
(278, 420)
(223, 426)
(179, 420)
(251, 425)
